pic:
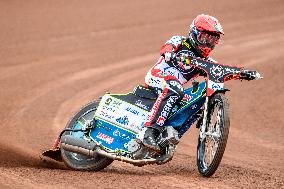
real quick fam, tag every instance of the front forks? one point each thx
(204, 121)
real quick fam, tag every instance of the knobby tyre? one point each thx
(210, 151)
(77, 161)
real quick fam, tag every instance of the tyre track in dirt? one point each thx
(82, 76)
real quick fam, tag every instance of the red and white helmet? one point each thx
(204, 34)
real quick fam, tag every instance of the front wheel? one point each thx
(77, 161)
(210, 150)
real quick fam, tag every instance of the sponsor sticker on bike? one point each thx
(215, 86)
(123, 136)
(133, 111)
(141, 105)
(105, 137)
(122, 113)
(187, 97)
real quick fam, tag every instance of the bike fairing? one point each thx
(134, 127)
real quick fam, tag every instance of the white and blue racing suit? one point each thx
(168, 78)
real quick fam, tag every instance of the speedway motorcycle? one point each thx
(113, 127)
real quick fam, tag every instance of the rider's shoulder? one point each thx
(176, 40)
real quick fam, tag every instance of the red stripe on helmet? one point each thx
(208, 23)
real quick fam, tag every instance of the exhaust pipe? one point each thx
(91, 149)
(77, 145)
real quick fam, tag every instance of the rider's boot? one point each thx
(150, 138)
(167, 156)
(160, 111)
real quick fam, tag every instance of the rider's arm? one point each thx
(242, 74)
(199, 71)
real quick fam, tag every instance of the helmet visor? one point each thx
(207, 39)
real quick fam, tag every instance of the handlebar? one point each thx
(244, 74)
(250, 75)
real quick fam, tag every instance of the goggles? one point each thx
(206, 39)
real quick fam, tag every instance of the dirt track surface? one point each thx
(57, 55)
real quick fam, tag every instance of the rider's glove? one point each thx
(169, 56)
(258, 76)
(250, 75)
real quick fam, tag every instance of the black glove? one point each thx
(249, 75)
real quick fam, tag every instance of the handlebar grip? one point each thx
(250, 75)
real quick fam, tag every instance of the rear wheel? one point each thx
(78, 161)
(210, 150)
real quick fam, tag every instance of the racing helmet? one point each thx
(204, 34)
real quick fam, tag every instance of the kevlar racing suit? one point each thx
(168, 77)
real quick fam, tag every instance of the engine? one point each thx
(169, 136)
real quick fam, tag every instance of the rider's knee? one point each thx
(176, 87)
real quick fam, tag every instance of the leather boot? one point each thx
(150, 139)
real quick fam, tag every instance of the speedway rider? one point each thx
(168, 76)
